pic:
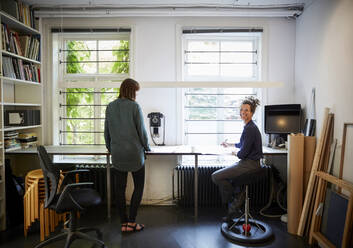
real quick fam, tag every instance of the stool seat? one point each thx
(35, 174)
(251, 177)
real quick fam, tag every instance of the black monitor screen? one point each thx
(282, 119)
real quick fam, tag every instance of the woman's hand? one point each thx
(224, 143)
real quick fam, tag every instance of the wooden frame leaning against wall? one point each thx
(316, 234)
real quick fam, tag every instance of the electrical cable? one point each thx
(273, 196)
(163, 131)
(279, 193)
(152, 136)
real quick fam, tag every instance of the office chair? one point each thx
(67, 197)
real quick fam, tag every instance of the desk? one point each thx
(155, 150)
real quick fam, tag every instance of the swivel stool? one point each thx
(246, 229)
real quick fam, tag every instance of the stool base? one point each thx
(259, 231)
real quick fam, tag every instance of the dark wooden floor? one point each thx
(166, 226)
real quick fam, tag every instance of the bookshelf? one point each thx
(21, 87)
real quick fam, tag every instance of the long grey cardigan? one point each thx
(125, 134)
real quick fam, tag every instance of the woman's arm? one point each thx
(106, 130)
(140, 127)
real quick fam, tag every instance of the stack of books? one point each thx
(11, 141)
(27, 139)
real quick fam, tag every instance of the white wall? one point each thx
(324, 59)
(156, 51)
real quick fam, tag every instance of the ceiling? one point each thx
(120, 8)
(167, 3)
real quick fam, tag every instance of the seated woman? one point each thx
(250, 154)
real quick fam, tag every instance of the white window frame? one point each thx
(87, 80)
(257, 38)
(77, 80)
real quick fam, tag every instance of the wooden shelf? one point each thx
(22, 104)
(20, 57)
(20, 128)
(20, 81)
(12, 149)
(13, 23)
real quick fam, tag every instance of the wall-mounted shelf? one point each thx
(16, 24)
(20, 82)
(20, 57)
(20, 128)
(12, 149)
(22, 104)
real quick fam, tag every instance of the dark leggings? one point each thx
(139, 182)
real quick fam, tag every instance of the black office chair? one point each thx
(69, 197)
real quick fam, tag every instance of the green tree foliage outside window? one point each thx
(121, 67)
(85, 96)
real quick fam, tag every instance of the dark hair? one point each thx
(128, 89)
(252, 101)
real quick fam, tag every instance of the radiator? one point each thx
(208, 192)
(98, 175)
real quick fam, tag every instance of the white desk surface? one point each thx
(155, 150)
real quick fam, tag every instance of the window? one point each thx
(212, 114)
(88, 65)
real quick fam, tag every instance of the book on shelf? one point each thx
(20, 140)
(10, 134)
(10, 7)
(20, 69)
(28, 139)
(12, 143)
(27, 136)
(21, 44)
(19, 10)
(10, 140)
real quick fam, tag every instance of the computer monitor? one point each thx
(283, 119)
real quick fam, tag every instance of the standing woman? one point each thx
(126, 140)
(250, 153)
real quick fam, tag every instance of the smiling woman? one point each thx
(250, 153)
